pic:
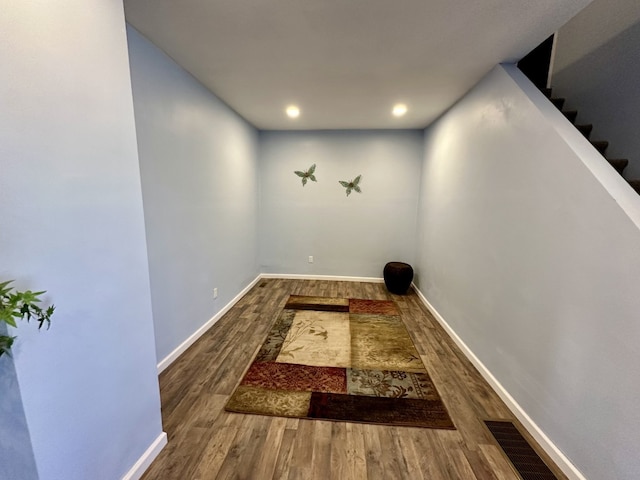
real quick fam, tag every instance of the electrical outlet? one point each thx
(310, 258)
(215, 293)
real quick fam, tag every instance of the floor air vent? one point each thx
(523, 457)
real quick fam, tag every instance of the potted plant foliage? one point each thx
(20, 305)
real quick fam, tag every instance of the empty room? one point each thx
(319, 240)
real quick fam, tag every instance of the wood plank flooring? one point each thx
(205, 442)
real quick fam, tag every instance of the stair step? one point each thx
(558, 102)
(618, 163)
(635, 184)
(546, 92)
(571, 115)
(600, 146)
(585, 129)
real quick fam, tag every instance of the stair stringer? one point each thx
(621, 192)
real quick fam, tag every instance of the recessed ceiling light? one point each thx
(293, 111)
(399, 109)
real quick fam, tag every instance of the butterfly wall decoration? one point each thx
(308, 175)
(352, 185)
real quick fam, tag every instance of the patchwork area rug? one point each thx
(340, 359)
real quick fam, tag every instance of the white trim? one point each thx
(568, 468)
(294, 276)
(169, 359)
(147, 457)
(620, 191)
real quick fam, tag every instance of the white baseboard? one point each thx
(568, 468)
(169, 359)
(147, 457)
(322, 277)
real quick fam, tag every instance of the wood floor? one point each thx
(205, 442)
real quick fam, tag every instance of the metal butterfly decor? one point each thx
(352, 185)
(308, 175)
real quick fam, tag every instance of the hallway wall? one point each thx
(597, 70)
(72, 224)
(198, 163)
(534, 265)
(347, 236)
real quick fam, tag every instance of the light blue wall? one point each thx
(15, 441)
(535, 266)
(348, 236)
(72, 223)
(598, 71)
(198, 164)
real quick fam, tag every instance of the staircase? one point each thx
(619, 164)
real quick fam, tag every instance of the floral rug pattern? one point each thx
(341, 359)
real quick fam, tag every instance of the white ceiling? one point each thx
(345, 62)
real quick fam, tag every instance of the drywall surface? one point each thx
(72, 223)
(347, 236)
(597, 70)
(596, 25)
(198, 164)
(535, 266)
(15, 442)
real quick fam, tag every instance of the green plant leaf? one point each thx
(25, 311)
(20, 305)
(5, 344)
(4, 289)
(30, 297)
(6, 316)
